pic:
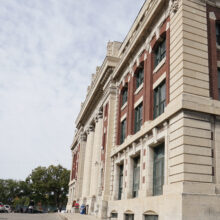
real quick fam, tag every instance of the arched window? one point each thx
(114, 214)
(150, 215)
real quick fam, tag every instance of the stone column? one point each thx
(149, 171)
(81, 162)
(88, 162)
(96, 157)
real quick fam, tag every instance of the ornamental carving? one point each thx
(174, 6)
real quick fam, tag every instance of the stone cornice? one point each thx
(104, 73)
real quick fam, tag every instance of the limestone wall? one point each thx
(189, 50)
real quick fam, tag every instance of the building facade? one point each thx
(147, 144)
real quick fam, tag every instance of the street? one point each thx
(53, 216)
(18, 216)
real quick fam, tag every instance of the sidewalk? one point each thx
(76, 216)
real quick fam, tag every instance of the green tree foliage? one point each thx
(46, 186)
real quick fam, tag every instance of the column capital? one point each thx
(83, 137)
(90, 128)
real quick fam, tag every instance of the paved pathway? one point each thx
(19, 216)
(73, 216)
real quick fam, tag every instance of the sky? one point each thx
(48, 51)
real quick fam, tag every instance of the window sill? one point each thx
(139, 89)
(123, 106)
(159, 65)
(217, 46)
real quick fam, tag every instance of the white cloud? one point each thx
(48, 50)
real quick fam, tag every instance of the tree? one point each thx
(49, 185)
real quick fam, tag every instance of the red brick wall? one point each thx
(75, 163)
(147, 90)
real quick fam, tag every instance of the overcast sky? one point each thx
(48, 51)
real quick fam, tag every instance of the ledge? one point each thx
(123, 106)
(170, 110)
(139, 89)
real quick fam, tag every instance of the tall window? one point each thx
(138, 117)
(218, 83)
(136, 176)
(159, 99)
(218, 33)
(151, 217)
(139, 77)
(124, 95)
(160, 52)
(158, 170)
(123, 131)
(120, 187)
(129, 216)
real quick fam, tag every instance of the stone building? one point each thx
(147, 144)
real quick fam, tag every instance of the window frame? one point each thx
(136, 176)
(138, 117)
(160, 51)
(139, 77)
(159, 103)
(123, 130)
(158, 161)
(120, 182)
(124, 95)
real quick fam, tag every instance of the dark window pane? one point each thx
(138, 117)
(129, 216)
(150, 217)
(218, 33)
(136, 176)
(114, 215)
(123, 131)
(160, 52)
(139, 77)
(158, 170)
(124, 95)
(121, 169)
(159, 99)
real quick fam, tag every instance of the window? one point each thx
(218, 33)
(151, 217)
(136, 176)
(160, 52)
(129, 216)
(114, 215)
(138, 118)
(139, 77)
(123, 131)
(158, 170)
(120, 188)
(159, 99)
(124, 95)
(218, 83)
